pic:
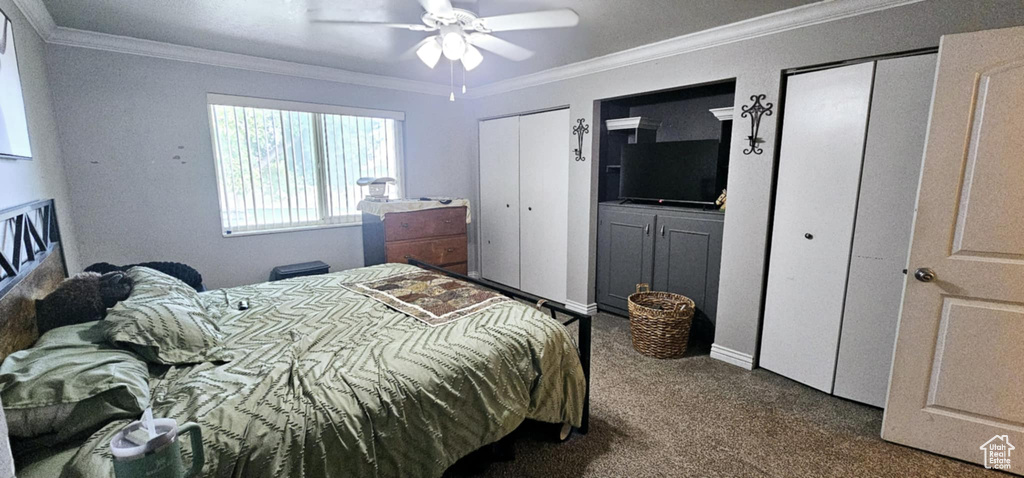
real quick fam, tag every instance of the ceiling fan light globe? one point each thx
(472, 58)
(429, 53)
(453, 45)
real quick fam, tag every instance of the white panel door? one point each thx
(499, 200)
(892, 165)
(544, 146)
(957, 385)
(821, 154)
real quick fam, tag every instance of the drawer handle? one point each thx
(450, 249)
(662, 230)
(405, 225)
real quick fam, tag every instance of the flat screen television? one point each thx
(675, 171)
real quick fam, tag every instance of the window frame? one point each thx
(217, 99)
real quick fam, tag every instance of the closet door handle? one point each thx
(647, 229)
(662, 230)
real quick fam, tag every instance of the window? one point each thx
(284, 165)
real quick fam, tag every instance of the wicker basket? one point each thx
(659, 322)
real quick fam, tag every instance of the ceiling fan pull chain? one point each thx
(452, 80)
(463, 77)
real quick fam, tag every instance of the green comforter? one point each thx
(327, 382)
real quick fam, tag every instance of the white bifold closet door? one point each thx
(849, 163)
(897, 128)
(524, 202)
(499, 200)
(826, 116)
(544, 203)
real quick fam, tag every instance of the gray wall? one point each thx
(757, 65)
(123, 119)
(43, 177)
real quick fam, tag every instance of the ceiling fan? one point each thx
(460, 32)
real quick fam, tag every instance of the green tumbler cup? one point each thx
(160, 456)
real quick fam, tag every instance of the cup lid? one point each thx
(123, 447)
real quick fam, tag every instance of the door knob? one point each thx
(924, 274)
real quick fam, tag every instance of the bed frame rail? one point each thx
(583, 319)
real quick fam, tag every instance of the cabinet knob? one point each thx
(506, 205)
(447, 221)
(450, 250)
(529, 209)
(808, 236)
(405, 225)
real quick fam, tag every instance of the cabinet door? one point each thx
(820, 160)
(544, 156)
(499, 200)
(625, 254)
(687, 253)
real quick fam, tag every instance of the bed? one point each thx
(321, 378)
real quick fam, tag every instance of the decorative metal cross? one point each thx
(579, 130)
(755, 111)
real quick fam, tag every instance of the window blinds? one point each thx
(286, 169)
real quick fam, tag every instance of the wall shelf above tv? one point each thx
(723, 114)
(630, 125)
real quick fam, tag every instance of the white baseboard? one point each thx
(589, 309)
(474, 274)
(727, 355)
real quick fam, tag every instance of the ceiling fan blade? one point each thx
(410, 54)
(562, 17)
(499, 47)
(404, 26)
(440, 8)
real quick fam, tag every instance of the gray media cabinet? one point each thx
(671, 248)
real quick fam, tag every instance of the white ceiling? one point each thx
(281, 29)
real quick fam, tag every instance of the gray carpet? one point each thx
(696, 416)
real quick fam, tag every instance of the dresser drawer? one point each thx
(402, 226)
(460, 268)
(443, 251)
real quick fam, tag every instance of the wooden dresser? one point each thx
(435, 236)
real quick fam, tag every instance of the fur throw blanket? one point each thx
(82, 298)
(177, 270)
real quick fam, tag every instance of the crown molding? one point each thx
(168, 51)
(40, 19)
(772, 23)
(778, 22)
(38, 16)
